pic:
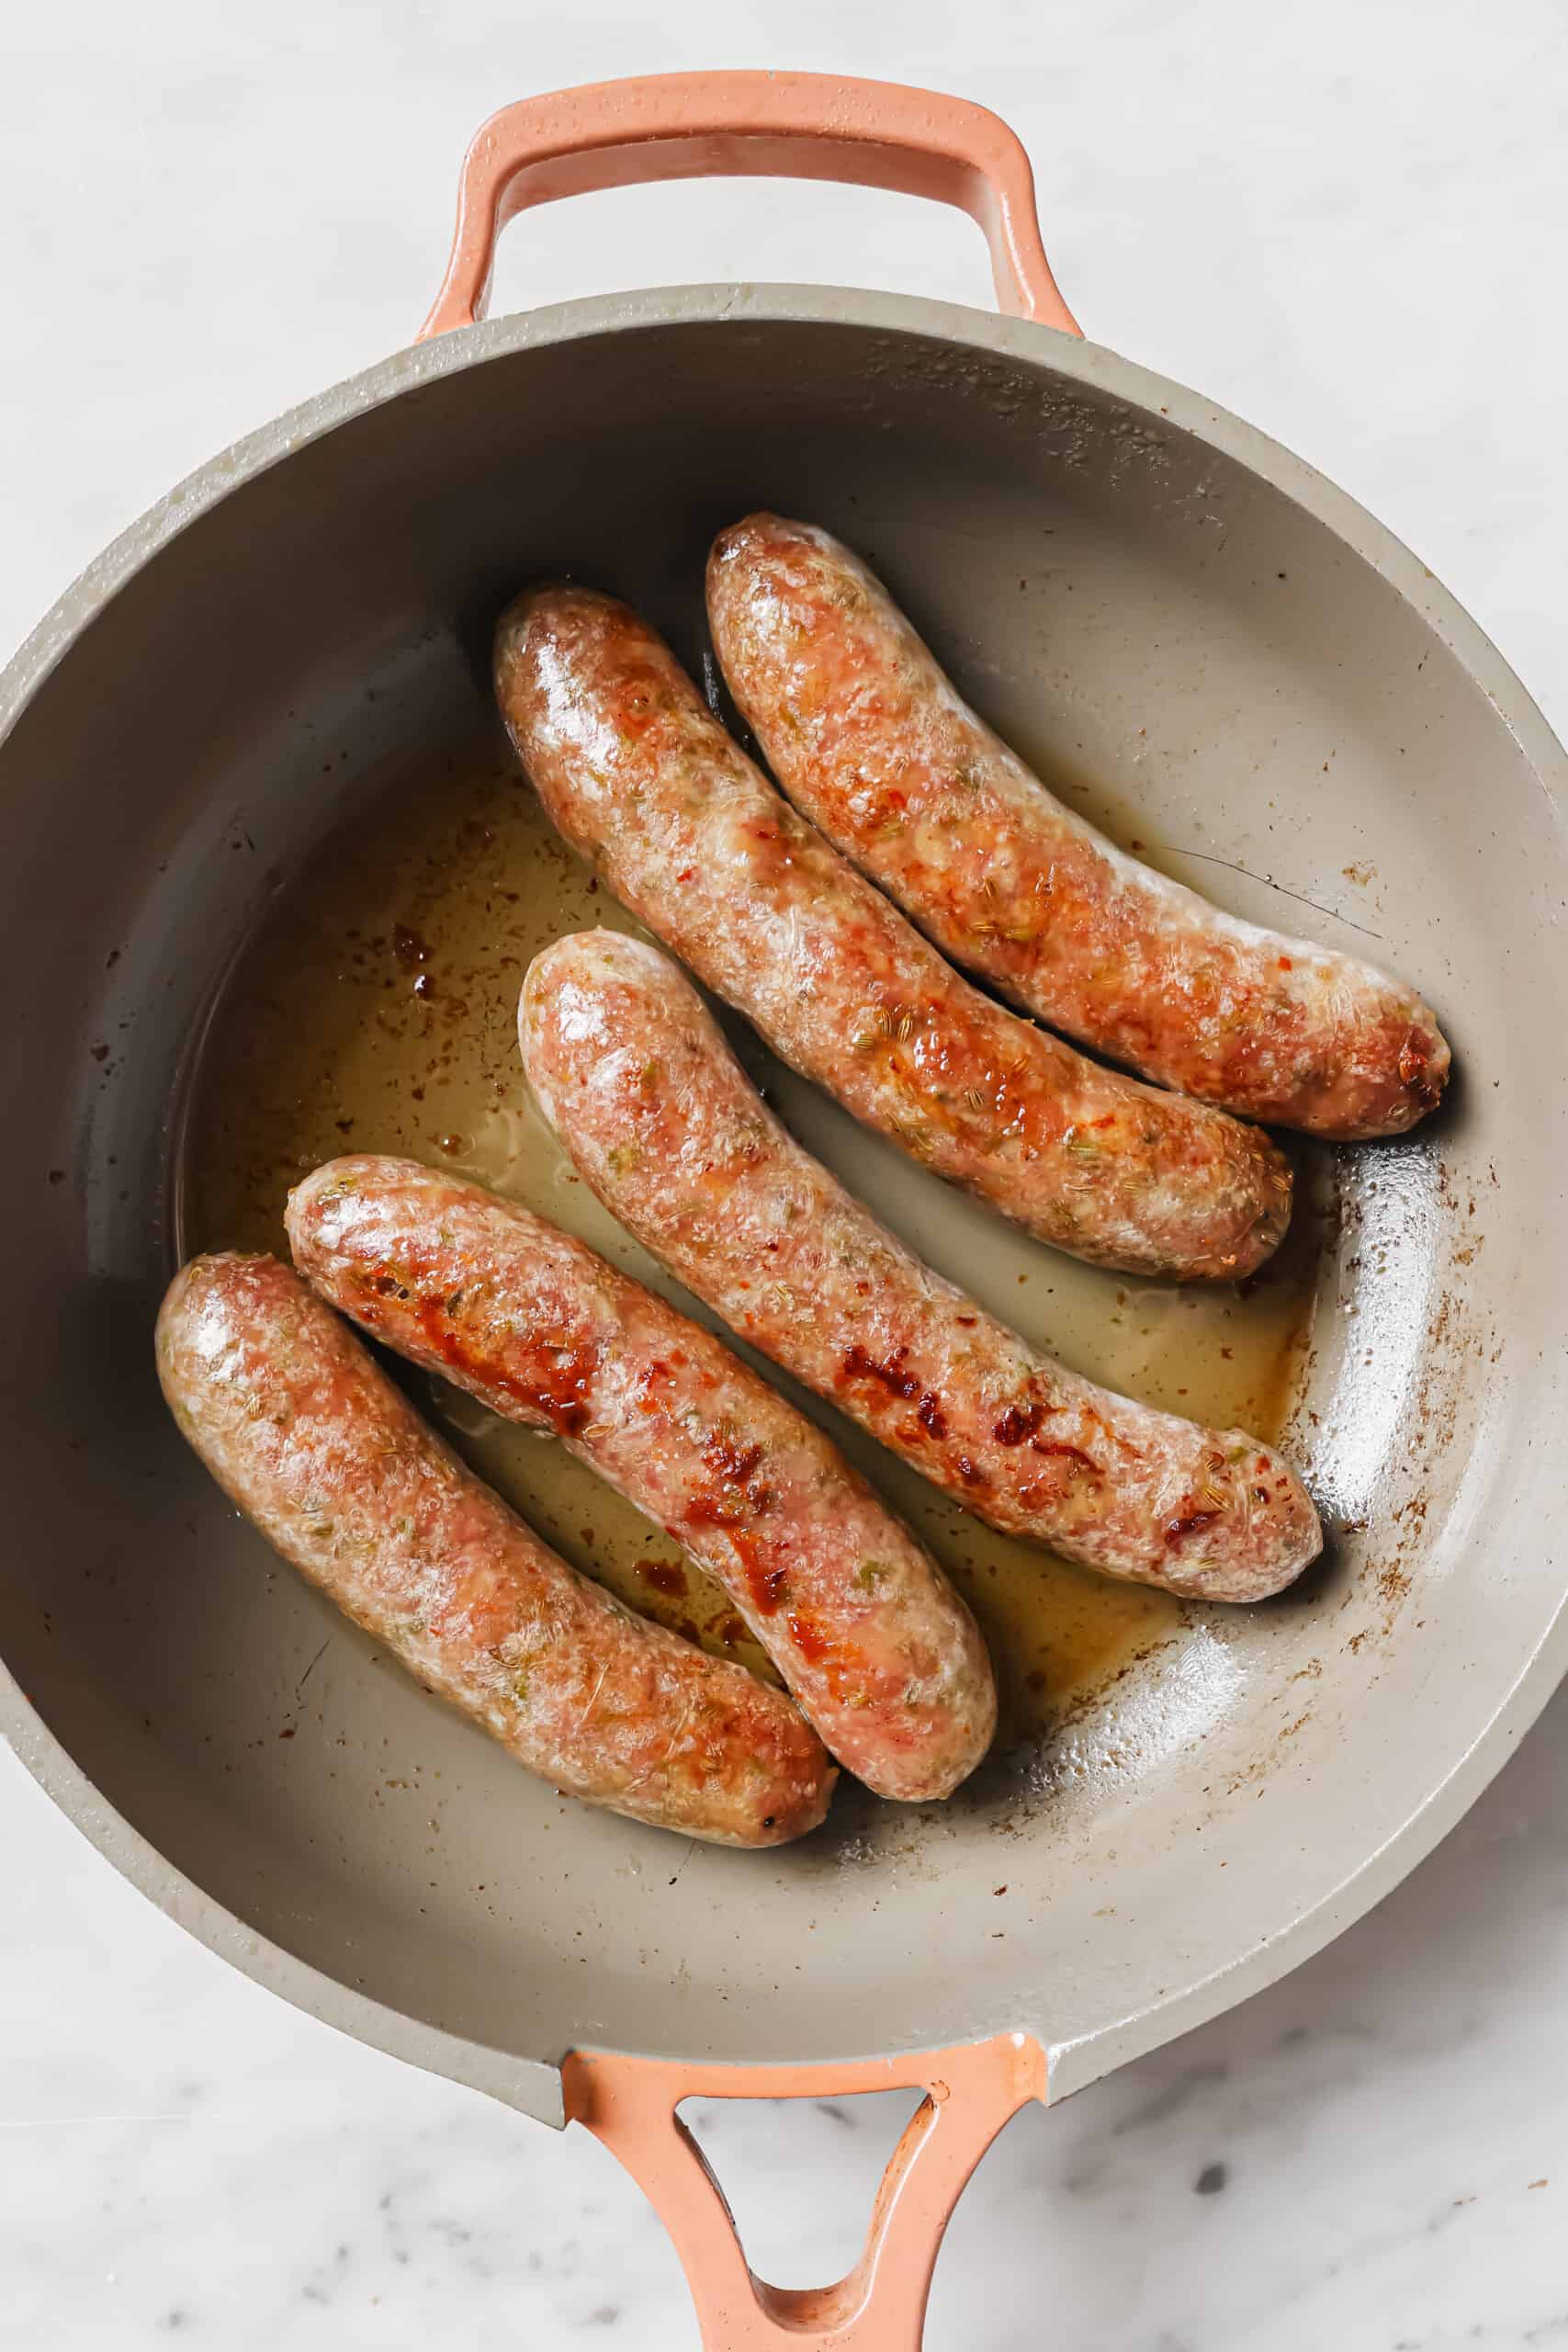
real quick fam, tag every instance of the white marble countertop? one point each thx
(1348, 224)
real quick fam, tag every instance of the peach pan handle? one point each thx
(782, 126)
(971, 2091)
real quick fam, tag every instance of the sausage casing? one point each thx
(699, 1168)
(877, 1647)
(872, 743)
(637, 773)
(328, 1460)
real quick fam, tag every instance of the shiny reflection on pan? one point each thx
(1393, 1238)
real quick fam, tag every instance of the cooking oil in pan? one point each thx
(375, 1009)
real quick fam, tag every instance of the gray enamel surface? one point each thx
(1099, 556)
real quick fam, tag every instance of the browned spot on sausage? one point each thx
(768, 1587)
(1084, 1461)
(1416, 1071)
(738, 1497)
(859, 1365)
(1020, 1422)
(899, 1380)
(842, 1663)
(552, 1383)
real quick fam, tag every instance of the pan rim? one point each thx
(533, 2086)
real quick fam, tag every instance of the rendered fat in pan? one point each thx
(696, 1165)
(637, 773)
(318, 1447)
(872, 742)
(877, 1647)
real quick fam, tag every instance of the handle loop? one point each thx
(787, 126)
(971, 2091)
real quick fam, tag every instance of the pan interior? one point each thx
(263, 794)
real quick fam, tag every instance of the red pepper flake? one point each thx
(735, 1463)
(646, 1402)
(1177, 1530)
(1286, 965)
(769, 1585)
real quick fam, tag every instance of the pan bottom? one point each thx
(375, 1009)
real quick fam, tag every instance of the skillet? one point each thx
(270, 695)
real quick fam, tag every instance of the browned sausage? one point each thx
(872, 742)
(663, 1121)
(302, 1431)
(637, 773)
(877, 1647)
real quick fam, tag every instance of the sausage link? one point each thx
(871, 741)
(313, 1442)
(701, 1171)
(877, 1647)
(637, 773)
